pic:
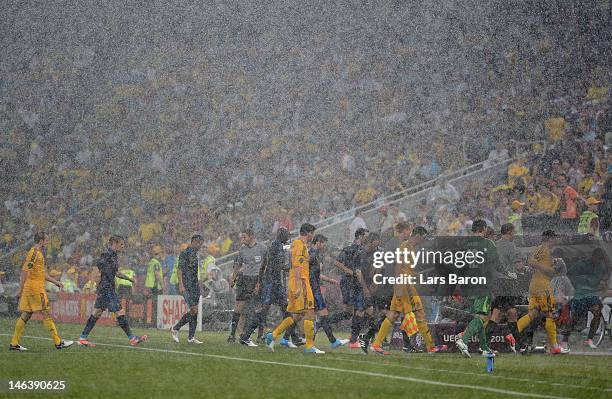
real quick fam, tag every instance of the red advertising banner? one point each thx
(75, 308)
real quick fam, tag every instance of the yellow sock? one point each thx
(523, 322)
(385, 327)
(19, 329)
(551, 331)
(285, 324)
(309, 333)
(424, 330)
(50, 325)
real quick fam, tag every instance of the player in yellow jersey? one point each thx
(541, 299)
(405, 298)
(299, 293)
(33, 297)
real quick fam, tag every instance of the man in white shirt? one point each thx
(357, 223)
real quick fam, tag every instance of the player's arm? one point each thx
(298, 262)
(339, 263)
(22, 279)
(329, 279)
(237, 269)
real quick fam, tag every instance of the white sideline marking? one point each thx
(324, 368)
(501, 377)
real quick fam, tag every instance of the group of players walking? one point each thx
(259, 278)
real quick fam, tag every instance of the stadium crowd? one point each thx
(188, 139)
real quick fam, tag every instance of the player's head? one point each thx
(402, 230)
(479, 227)
(196, 241)
(372, 241)
(307, 231)
(282, 235)
(247, 236)
(116, 242)
(319, 242)
(360, 234)
(507, 230)
(549, 237)
(41, 238)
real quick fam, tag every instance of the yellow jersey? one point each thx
(405, 267)
(540, 282)
(34, 265)
(299, 258)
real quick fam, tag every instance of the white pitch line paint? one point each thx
(337, 370)
(501, 377)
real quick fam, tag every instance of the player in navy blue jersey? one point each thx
(316, 251)
(189, 288)
(106, 295)
(352, 299)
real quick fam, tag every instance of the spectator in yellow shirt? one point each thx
(548, 202)
(555, 127)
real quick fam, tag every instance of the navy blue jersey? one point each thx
(314, 269)
(365, 260)
(349, 256)
(108, 264)
(188, 265)
(276, 263)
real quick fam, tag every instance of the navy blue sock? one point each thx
(234, 325)
(91, 322)
(356, 324)
(184, 320)
(324, 320)
(193, 323)
(251, 325)
(123, 323)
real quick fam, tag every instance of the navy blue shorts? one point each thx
(346, 288)
(108, 300)
(319, 301)
(192, 297)
(352, 293)
(273, 293)
(583, 305)
(358, 300)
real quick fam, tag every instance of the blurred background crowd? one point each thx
(211, 119)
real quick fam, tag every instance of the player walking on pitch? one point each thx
(106, 295)
(33, 297)
(189, 287)
(299, 292)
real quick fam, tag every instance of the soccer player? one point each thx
(33, 297)
(106, 296)
(365, 288)
(347, 262)
(315, 254)
(189, 288)
(378, 297)
(405, 298)
(506, 285)
(247, 266)
(541, 300)
(481, 305)
(270, 285)
(299, 292)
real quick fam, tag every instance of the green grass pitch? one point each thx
(161, 368)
